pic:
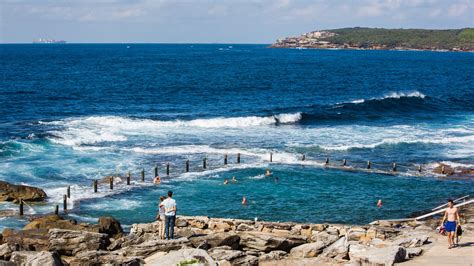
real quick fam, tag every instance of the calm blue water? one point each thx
(71, 113)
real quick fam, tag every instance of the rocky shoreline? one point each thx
(53, 240)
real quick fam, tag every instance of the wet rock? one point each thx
(362, 255)
(338, 250)
(110, 226)
(216, 240)
(69, 242)
(267, 242)
(102, 257)
(184, 257)
(443, 169)
(34, 258)
(307, 250)
(11, 192)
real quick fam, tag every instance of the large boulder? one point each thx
(6, 251)
(102, 257)
(35, 258)
(216, 240)
(69, 242)
(110, 226)
(184, 257)
(55, 221)
(324, 237)
(267, 242)
(225, 253)
(362, 255)
(11, 192)
(309, 250)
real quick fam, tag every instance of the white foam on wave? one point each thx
(96, 129)
(392, 95)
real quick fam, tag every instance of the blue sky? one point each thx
(224, 21)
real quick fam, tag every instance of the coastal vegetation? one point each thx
(379, 38)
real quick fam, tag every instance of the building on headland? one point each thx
(48, 41)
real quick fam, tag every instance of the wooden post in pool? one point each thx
(238, 157)
(68, 191)
(143, 175)
(21, 207)
(225, 159)
(187, 166)
(129, 176)
(369, 164)
(327, 161)
(167, 169)
(95, 186)
(419, 168)
(344, 162)
(156, 170)
(303, 158)
(394, 167)
(204, 163)
(271, 156)
(111, 182)
(65, 203)
(56, 209)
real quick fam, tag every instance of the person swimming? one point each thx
(268, 173)
(244, 201)
(379, 203)
(277, 178)
(157, 180)
(226, 181)
(234, 179)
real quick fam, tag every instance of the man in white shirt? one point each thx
(170, 215)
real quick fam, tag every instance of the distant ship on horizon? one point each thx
(48, 41)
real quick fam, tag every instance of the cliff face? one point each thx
(383, 39)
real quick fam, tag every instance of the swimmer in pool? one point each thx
(157, 180)
(226, 181)
(267, 172)
(234, 179)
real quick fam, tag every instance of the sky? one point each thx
(218, 21)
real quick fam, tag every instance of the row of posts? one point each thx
(204, 166)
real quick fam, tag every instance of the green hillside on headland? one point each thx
(378, 38)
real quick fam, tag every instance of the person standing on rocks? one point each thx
(451, 216)
(161, 217)
(170, 215)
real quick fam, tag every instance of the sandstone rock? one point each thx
(185, 257)
(248, 260)
(411, 241)
(6, 263)
(318, 227)
(245, 227)
(278, 226)
(110, 226)
(28, 240)
(34, 258)
(338, 250)
(307, 250)
(200, 222)
(115, 244)
(273, 255)
(267, 242)
(55, 221)
(324, 237)
(220, 225)
(225, 253)
(181, 222)
(216, 240)
(413, 252)
(69, 242)
(448, 170)
(332, 230)
(11, 192)
(362, 255)
(5, 251)
(102, 257)
(356, 233)
(151, 246)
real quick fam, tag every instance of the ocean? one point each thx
(74, 113)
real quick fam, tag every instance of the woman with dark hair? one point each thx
(161, 217)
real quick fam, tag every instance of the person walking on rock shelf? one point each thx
(451, 216)
(170, 215)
